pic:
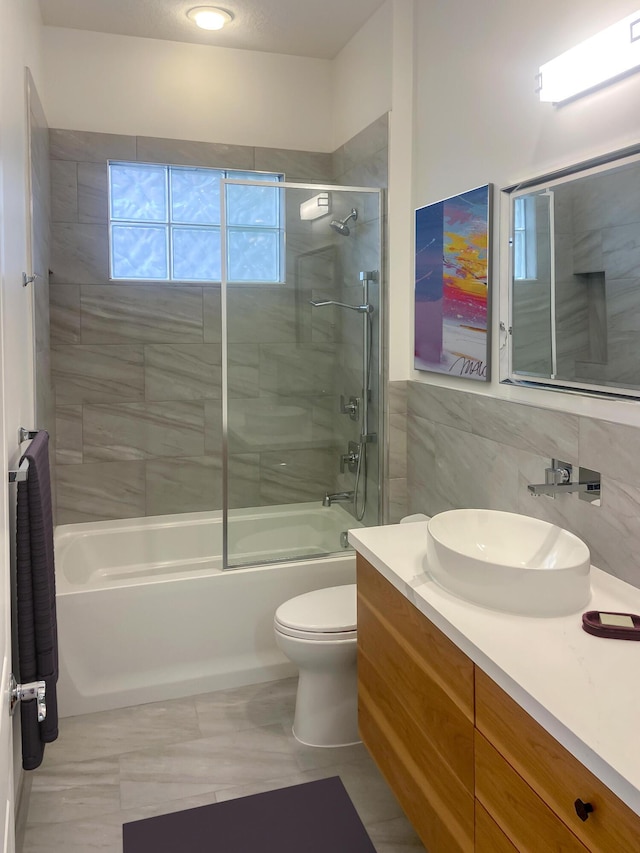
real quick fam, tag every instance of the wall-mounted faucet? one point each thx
(338, 497)
(558, 482)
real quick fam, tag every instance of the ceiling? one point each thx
(312, 28)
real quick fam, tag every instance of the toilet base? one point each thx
(327, 708)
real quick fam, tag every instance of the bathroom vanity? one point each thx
(496, 732)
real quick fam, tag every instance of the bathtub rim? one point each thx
(65, 535)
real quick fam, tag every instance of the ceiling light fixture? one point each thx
(209, 17)
(605, 57)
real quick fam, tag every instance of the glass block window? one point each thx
(165, 224)
(525, 249)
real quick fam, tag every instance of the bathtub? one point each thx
(146, 613)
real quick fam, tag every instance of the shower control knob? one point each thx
(350, 460)
(351, 408)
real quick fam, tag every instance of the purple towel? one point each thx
(36, 605)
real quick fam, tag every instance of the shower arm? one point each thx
(361, 309)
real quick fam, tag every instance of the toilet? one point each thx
(317, 632)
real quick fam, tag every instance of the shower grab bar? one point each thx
(361, 309)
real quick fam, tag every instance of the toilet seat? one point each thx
(323, 614)
(326, 636)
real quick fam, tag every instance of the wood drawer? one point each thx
(444, 826)
(436, 654)
(489, 837)
(523, 817)
(432, 724)
(554, 773)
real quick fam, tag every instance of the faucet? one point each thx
(338, 497)
(558, 482)
(537, 489)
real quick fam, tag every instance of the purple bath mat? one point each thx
(316, 817)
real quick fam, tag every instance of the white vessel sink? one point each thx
(509, 562)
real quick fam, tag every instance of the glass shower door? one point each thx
(294, 393)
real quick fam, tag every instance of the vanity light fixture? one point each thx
(605, 57)
(315, 207)
(209, 17)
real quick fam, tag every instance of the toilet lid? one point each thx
(323, 611)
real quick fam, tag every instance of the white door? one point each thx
(6, 727)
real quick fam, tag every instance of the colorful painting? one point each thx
(452, 285)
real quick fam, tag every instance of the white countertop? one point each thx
(584, 690)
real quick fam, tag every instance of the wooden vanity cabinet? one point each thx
(553, 774)
(472, 770)
(415, 708)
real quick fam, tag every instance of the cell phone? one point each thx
(615, 626)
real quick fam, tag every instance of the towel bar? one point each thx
(21, 474)
(25, 434)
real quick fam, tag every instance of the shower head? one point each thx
(340, 225)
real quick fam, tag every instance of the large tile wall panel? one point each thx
(183, 485)
(97, 492)
(180, 152)
(283, 316)
(86, 147)
(183, 371)
(470, 450)
(292, 476)
(150, 313)
(303, 166)
(142, 430)
(64, 191)
(79, 253)
(64, 313)
(93, 202)
(138, 365)
(97, 373)
(68, 446)
(396, 452)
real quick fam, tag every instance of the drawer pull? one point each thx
(583, 810)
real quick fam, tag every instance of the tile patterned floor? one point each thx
(117, 766)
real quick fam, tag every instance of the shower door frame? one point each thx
(379, 366)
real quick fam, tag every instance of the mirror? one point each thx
(574, 296)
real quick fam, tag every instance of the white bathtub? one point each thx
(145, 611)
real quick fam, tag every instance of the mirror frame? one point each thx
(508, 376)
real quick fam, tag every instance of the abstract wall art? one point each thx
(452, 285)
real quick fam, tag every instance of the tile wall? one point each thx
(470, 450)
(137, 367)
(362, 162)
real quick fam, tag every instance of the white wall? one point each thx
(372, 75)
(362, 75)
(478, 120)
(137, 86)
(20, 45)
